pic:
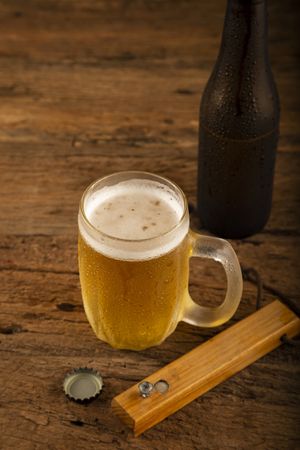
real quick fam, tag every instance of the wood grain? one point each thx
(206, 366)
(88, 88)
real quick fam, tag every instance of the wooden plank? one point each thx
(206, 366)
(87, 88)
(33, 364)
(57, 254)
(64, 56)
(32, 399)
(53, 182)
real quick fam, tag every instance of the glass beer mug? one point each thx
(134, 249)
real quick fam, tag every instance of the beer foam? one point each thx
(136, 219)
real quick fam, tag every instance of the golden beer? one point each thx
(134, 248)
(133, 304)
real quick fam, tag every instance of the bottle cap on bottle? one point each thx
(83, 384)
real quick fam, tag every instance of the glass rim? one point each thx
(138, 173)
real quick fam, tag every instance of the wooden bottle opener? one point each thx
(206, 366)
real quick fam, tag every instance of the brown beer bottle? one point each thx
(239, 125)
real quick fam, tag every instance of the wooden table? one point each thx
(90, 87)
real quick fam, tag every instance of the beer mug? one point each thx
(134, 250)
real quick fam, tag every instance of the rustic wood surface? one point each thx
(207, 365)
(89, 87)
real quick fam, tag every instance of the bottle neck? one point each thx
(244, 37)
(240, 99)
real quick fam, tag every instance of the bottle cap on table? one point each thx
(83, 384)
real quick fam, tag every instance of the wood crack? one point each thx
(31, 270)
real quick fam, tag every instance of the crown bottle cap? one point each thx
(83, 384)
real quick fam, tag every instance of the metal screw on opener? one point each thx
(145, 388)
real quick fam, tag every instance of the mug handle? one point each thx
(221, 251)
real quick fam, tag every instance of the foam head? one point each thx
(133, 219)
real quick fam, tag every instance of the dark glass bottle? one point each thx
(239, 125)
